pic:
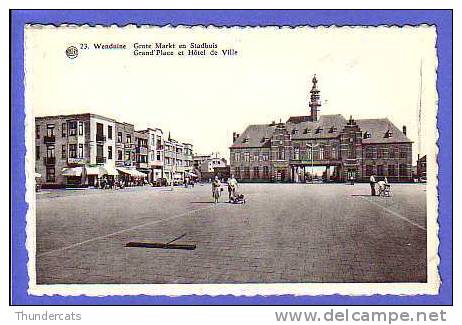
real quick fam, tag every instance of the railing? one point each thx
(142, 150)
(100, 138)
(49, 160)
(49, 139)
(100, 160)
(76, 161)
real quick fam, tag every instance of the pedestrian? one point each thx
(372, 184)
(232, 186)
(216, 189)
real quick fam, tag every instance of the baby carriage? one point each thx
(237, 199)
(384, 188)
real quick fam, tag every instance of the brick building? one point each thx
(327, 147)
(79, 149)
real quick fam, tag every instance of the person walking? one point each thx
(216, 189)
(232, 186)
(372, 184)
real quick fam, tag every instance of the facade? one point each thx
(422, 168)
(80, 149)
(178, 160)
(155, 153)
(125, 145)
(75, 149)
(141, 153)
(321, 147)
(209, 166)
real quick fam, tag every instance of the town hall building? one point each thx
(322, 148)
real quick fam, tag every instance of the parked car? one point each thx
(160, 182)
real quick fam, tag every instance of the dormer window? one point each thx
(306, 131)
(318, 130)
(367, 135)
(388, 134)
(264, 139)
(245, 140)
(332, 129)
(294, 131)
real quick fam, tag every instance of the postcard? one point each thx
(206, 160)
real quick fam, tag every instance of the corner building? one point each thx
(321, 147)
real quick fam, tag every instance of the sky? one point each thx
(371, 72)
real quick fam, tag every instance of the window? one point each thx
(63, 151)
(237, 156)
(392, 152)
(73, 128)
(369, 170)
(127, 155)
(334, 152)
(382, 153)
(129, 138)
(72, 150)
(64, 130)
(246, 156)
(237, 173)
(245, 140)
(351, 152)
(306, 131)
(321, 153)
(37, 131)
(159, 155)
(296, 153)
(265, 171)
(326, 153)
(256, 157)
(294, 131)
(403, 152)
(388, 134)
(367, 135)
(37, 152)
(119, 137)
(246, 172)
(281, 153)
(50, 130)
(309, 153)
(109, 132)
(391, 170)
(369, 152)
(80, 150)
(50, 174)
(265, 156)
(403, 170)
(50, 151)
(380, 170)
(119, 155)
(256, 172)
(159, 142)
(80, 128)
(109, 152)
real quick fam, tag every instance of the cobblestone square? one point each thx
(284, 233)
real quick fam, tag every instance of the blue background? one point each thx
(441, 18)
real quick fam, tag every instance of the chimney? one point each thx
(404, 129)
(235, 136)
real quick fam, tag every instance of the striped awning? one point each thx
(72, 172)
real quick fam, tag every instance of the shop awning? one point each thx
(127, 171)
(94, 170)
(111, 171)
(72, 172)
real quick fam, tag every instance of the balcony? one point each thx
(100, 138)
(129, 145)
(49, 161)
(142, 150)
(76, 161)
(49, 139)
(100, 160)
(142, 165)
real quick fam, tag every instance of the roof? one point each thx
(255, 136)
(378, 128)
(328, 126)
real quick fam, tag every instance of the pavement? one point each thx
(284, 233)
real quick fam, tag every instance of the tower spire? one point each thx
(315, 101)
